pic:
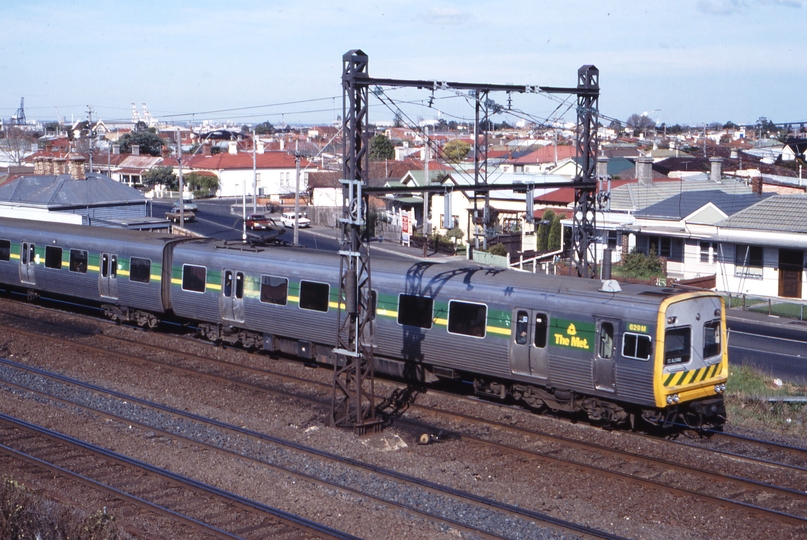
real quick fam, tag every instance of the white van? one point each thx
(287, 218)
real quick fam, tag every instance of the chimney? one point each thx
(115, 149)
(282, 144)
(717, 169)
(644, 170)
(756, 185)
(261, 147)
(164, 152)
(135, 149)
(49, 147)
(59, 165)
(76, 164)
(39, 165)
(206, 151)
(232, 147)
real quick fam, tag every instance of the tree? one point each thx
(456, 150)
(730, 125)
(160, 176)
(543, 230)
(381, 148)
(553, 243)
(200, 182)
(150, 143)
(265, 128)
(638, 265)
(641, 123)
(16, 144)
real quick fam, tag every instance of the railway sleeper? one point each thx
(124, 314)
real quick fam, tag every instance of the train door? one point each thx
(27, 262)
(108, 275)
(231, 303)
(604, 359)
(528, 344)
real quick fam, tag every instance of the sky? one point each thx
(689, 62)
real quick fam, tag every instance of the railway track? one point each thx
(204, 511)
(482, 515)
(785, 503)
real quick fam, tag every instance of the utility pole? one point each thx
(254, 174)
(426, 196)
(296, 194)
(181, 181)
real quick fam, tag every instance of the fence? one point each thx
(781, 307)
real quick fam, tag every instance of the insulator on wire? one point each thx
(351, 294)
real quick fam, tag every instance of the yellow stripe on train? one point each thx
(691, 376)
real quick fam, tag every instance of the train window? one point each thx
(677, 344)
(5, 250)
(415, 310)
(227, 289)
(467, 319)
(314, 296)
(239, 285)
(274, 290)
(194, 278)
(541, 330)
(606, 340)
(522, 327)
(53, 257)
(636, 346)
(139, 270)
(711, 338)
(78, 261)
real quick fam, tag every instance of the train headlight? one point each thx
(720, 388)
(673, 399)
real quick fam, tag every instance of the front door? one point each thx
(528, 350)
(791, 264)
(27, 263)
(231, 302)
(604, 367)
(108, 275)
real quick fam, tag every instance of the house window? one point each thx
(53, 257)
(748, 261)
(707, 252)
(613, 239)
(661, 245)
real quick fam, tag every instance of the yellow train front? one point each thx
(691, 360)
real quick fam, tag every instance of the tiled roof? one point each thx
(243, 160)
(546, 154)
(63, 190)
(784, 213)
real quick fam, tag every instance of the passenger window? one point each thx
(541, 330)
(606, 340)
(53, 257)
(194, 278)
(314, 296)
(227, 288)
(78, 261)
(415, 310)
(274, 290)
(139, 270)
(677, 345)
(467, 319)
(113, 267)
(239, 285)
(522, 327)
(5, 250)
(636, 346)
(711, 338)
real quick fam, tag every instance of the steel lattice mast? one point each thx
(353, 404)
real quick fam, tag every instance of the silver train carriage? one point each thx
(555, 342)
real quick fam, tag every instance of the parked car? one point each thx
(287, 218)
(188, 204)
(260, 221)
(173, 215)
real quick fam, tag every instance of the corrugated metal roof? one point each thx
(785, 213)
(54, 191)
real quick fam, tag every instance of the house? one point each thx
(761, 249)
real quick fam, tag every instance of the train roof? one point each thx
(61, 230)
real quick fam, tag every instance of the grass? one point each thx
(747, 407)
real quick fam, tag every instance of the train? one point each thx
(621, 355)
